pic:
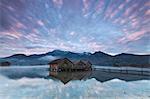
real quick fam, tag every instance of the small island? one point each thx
(6, 63)
(65, 64)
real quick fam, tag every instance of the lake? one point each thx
(29, 82)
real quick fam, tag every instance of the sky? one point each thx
(40, 26)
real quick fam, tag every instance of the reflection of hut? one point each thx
(61, 64)
(65, 77)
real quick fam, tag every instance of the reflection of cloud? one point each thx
(34, 88)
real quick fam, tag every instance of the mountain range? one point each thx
(96, 58)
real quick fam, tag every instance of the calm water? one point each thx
(38, 83)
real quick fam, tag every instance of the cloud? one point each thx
(9, 7)
(100, 5)
(40, 22)
(33, 47)
(86, 6)
(121, 6)
(61, 24)
(135, 22)
(72, 33)
(58, 3)
(132, 37)
(96, 46)
(33, 37)
(13, 34)
(20, 25)
(147, 12)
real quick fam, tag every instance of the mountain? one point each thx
(132, 60)
(97, 58)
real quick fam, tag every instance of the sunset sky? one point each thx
(39, 26)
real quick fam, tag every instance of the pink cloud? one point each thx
(132, 37)
(35, 31)
(86, 4)
(111, 12)
(100, 5)
(20, 25)
(95, 46)
(135, 22)
(147, 4)
(121, 6)
(132, 16)
(114, 13)
(136, 35)
(130, 10)
(127, 1)
(117, 20)
(40, 22)
(108, 14)
(58, 3)
(65, 46)
(33, 37)
(13, 34)
(147, 12)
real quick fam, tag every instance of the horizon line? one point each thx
(77, 52)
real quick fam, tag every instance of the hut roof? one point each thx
(80, 62)
(88, 62)
(68, 60)
(55, 61)
(59, 60)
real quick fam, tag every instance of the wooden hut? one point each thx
(83, 65)
(80, 65)
(88, 65)
(66, 65)
(61, 65)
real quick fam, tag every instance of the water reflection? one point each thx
(65, 77)
(106, 76)
(101, 76)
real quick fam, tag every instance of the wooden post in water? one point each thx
(126, 70)
(142, 70)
